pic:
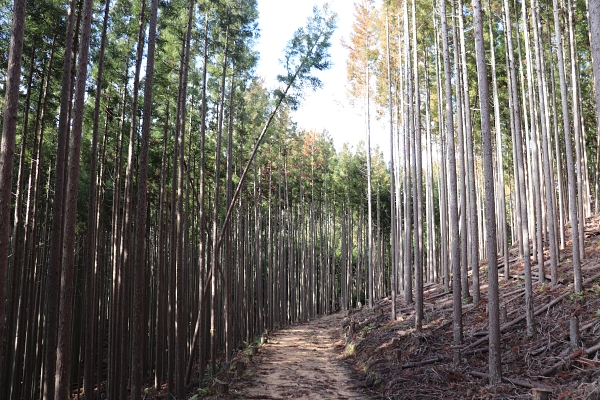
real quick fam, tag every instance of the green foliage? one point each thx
(308, 50)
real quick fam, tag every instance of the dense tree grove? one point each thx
(159, 208)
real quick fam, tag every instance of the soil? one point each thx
(300, 362)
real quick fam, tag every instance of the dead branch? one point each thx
(519, 319)
(517, 382)
(424, 362)
(553, 369)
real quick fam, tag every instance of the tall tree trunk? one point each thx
(520, 173)
(63, 359)
(432, 265)
(572, 179)
(577, 135)
(198, 337)
(15, 291)
(90, 332)
(462, 185)
(228, 240)
(473, 256)
(181, 326)
(53, 276)
(408, 127)
(215, 250)
(547, 166)
(534, 177)
(594, 21)
(418, 182)
(139, 323)
(369, 201)
(500, 186)
(392, 177)
(443, 185)
(452, 189)
(7, 152)
(495, 365)
(126, 240)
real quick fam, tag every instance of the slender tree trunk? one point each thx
(198, 337)
(594, 21)
(452, 189)
(369, 201)
(473, 256)
(520, 175)
(53, 276)
(495, 364)
(462, 185)
(392, 178)
(535, 167)
(63, 360)
(215, 250)
(432, 266)
(139, 323)
(443, 185)
(501, 198)
(569, 152)
(577, 135)
(7, 151)
(547, 166)
(90, 332)
(408, 127)
(228, 240)
(418, 182)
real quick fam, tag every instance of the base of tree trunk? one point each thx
(240, 367)
(540, 394)
(223, 388)
(456, 357)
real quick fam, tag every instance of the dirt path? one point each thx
(300, 362)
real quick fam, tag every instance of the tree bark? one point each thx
(63, 360)
(139, 323)
(56, 245)
(90, 332)
(495, 365)
(452, 187)
(7, 151)
(572, 179)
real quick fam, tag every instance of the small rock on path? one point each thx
(300, 362)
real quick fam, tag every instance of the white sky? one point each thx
(327, 108)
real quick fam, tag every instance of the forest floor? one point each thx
(397, 362)
(362, 353)
(300, 362)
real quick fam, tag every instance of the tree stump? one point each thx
(456, 357)
(541, 394)
(574, 332)
(239, 368)
(222, 387)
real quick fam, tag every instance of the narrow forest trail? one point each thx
(300, 362)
